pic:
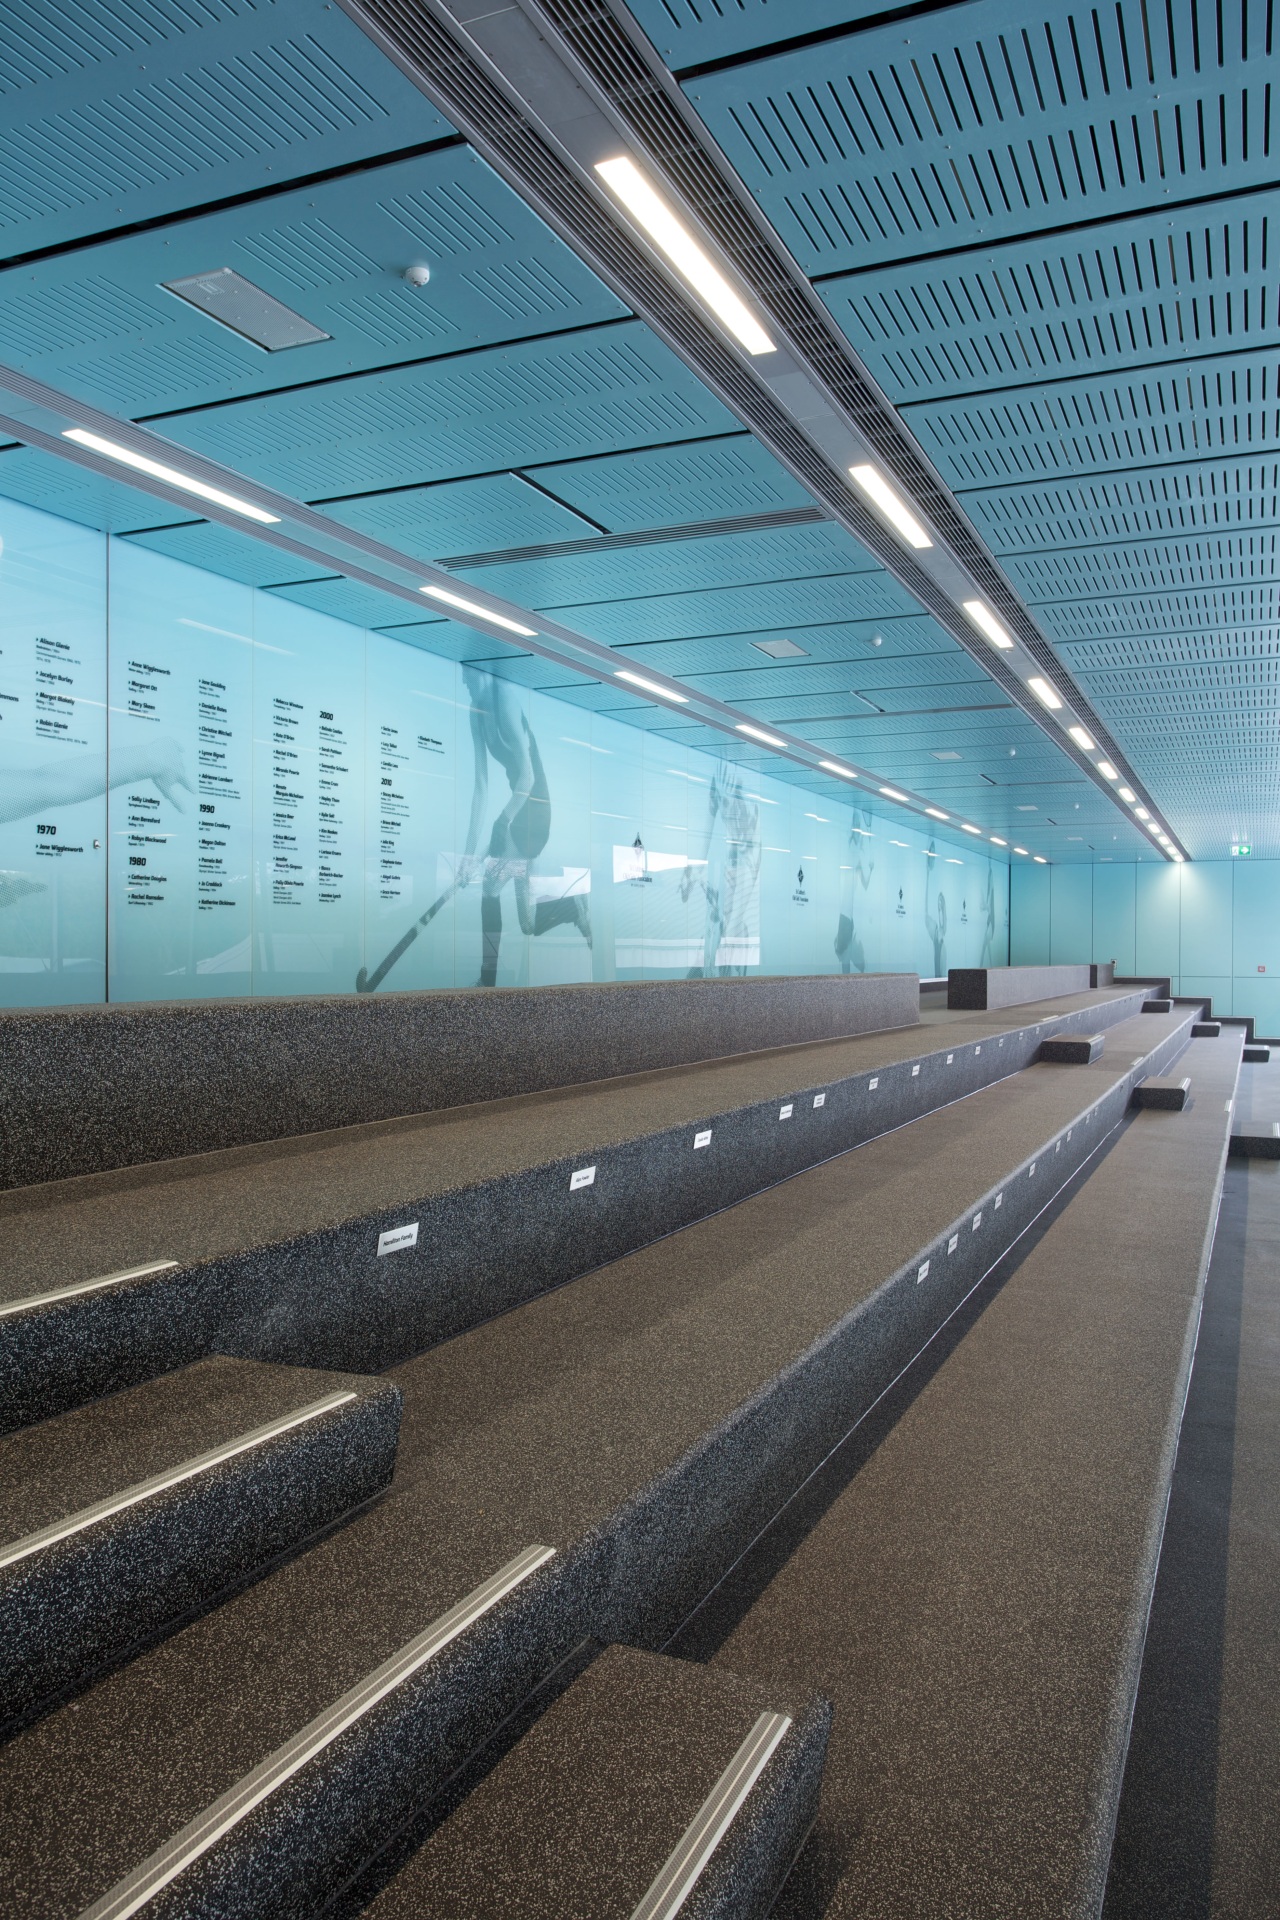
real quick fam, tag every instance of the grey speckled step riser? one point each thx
(84, 1602)
(633, 1579)
(87, 1088)
(329, 1300)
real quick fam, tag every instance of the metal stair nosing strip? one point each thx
(692, 1854)
(132, 1496)
(8, 1308)
(204, 1832)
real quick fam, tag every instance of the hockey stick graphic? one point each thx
(369, 982)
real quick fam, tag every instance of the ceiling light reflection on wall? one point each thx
(158, 471)
(1081, 738)
(651, 686)
(481, 613)
(770, 739)
(1044, 693)
(895, 511)
(985, 621)
(625, 180)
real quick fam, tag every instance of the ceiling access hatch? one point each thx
(226, 296)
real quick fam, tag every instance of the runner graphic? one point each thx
(937, 929)
(730, 878)
(501, 731)
(849, 948)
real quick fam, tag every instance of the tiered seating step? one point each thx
(122, 1517)
(589, 1464)
(357, 1247)
(651, 1787)
(1255, 1132)
(969, 1578)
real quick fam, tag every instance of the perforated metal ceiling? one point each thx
(997, 212)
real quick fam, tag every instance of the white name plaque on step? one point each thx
(584, 1177)
(397, 1238)
(922, 1272)
(784, 1113)
(915, 1071)
(873, 1084)
(819, 1099)
(953, 1243)
(702, 1139)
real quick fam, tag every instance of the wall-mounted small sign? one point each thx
(397, 1238)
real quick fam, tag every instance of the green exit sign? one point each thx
(1241, 852)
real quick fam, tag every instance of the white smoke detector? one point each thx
(417, 276)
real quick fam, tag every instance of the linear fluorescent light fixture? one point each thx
(770, 739)
(625, 180)
(895, 511)
(172, 475)
(481, 613)
(936, 813)
(1127, 793)
(966, 828)
(1044, 693)
(829, 766)
(996, 841)
(1107, 771)
(1081, 738)
(1022, 851)
(985, 621)
(891, 793)
(1142, 813)
(1039, 859)
(651, 686)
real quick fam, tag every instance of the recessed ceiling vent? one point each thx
(781, 649)
(235, 302)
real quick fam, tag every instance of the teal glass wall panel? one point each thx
(1205, 920)
(1030, 901)
(208, 789)
(1157, 918)
(1071, 914)
(1114, 909)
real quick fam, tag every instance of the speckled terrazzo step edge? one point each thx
(328, 1298)
(136, 1512)
(83, 1089)
(632, 1575)
(591, 1805)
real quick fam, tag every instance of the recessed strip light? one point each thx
(757, 733)
(895, 511)
(1142, 813)
(966, 828)
(481, 613)
(1039, 859)
(1177, 856)
(985, 621)
(1107, 771)
(651, 686)
(936, 813)
(829, 766)
(1081, 738)
(1127, 793)
(1022, 851)
(672, 237)
(996, 841)
(1044, 693)
(891, 793)
(172, 475)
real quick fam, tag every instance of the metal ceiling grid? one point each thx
(681, 616)
(342, 599)
(687, 32)
(951, 677)
(1209, 495)
(454, 515)
(118, 113)
(668, 484)
(101, 323)
(733, 560)
(1184, 283)
(1164, 614)
(238, 556)
(1158, 566)
(500, 407)
(976, 122)
(41, 480)
(905, 636)
(1172, 412)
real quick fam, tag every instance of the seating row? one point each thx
(589, 1464)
